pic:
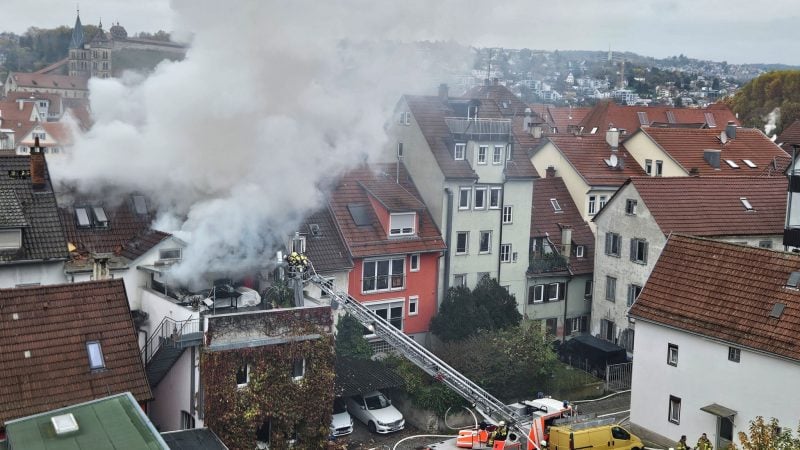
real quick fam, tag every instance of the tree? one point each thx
(350, 341)
(463, 312)
(768, 435)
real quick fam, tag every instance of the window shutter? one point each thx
(584, 324)
(633, 249)
(561, 290)
(644, 256)
(608, 243)
(568, 327)
(531, 290)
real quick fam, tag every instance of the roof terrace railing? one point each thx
(479, 129)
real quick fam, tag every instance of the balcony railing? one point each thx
(383, 283)
(479, 129)
(548, 262)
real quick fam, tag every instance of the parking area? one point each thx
(362, 439)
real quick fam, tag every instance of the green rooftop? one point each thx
(111, 423)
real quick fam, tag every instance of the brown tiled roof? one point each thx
(726, 292)
(55, 99)
(497, 101)
(14, 118)
(564, 117)
(142, 243)
(546, 221)
(50, 81)
(789, 136)
(393, 196)
(607, 114)
(325, 249)
(686, 147)
(372, 240)
(54, 323)
(711, 206)
(587, 154)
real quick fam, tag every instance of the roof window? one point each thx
(556, 206)
(732, 164)
(777, 310)
(95, 352)
(140, 204)
(360, 214)
(314, 229)
(794, 280)
(100, 219)
(746, 203)
(64, 423)
(749, 163)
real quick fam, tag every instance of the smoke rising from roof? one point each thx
(237, 142)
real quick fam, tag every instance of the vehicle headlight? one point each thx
(383, 424)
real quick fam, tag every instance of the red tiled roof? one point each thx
(587, 153)
(789, 136)
(607, 114)
(546, 221)
(711, 206)
(726, 292)
(686, 147)
(54, 323)
(54, 99)
(372, 240)
(57, 131)
(564, 117)
(394, 197)
(14, 118)
(497, 101)
(50, 81)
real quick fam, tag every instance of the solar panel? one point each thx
(140, 204)
(83, 217)
(360, 214)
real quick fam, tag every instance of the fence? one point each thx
(618, 376)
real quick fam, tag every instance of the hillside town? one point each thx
(543, 249)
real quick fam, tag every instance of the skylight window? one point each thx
(732, 164)
(749, 163)
(95, 352)
(643, 120)
(556, 206)
(594, 130)
(140, 204)
(670, 117)
(360, 214)
(746, 203)
(710, 120)
(100, 217)
(82, 216)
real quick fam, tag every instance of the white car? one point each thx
(341, 423)
(376, 412)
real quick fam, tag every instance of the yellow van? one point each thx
(599, 437)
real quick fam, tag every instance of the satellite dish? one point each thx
(613, 160)
(723, 137)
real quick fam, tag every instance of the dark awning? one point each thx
(360, 376)
(719, 411)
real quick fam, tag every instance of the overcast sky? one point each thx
(737, 31)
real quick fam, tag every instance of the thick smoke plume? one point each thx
(771, 122)
(237, 142)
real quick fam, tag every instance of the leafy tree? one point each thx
(462, 313)
(778, 89)
(425, 392)
(767, 435)
(350, 341)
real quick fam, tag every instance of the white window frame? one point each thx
(164, 254)
(508, 214)
(481, 250)
(659, 168)
(579, 251)
(462, 205)
(413, 305)
(591, 206)
(460, 151)
(494, 200)
(94, 350)
(497, 155)
(246, 377)
(538, 294)
(556, 206)
(466, 242)
(302, 249)
(505, 253)
(648, 167)
(11, 239)
(484, 191)
(602, 199)
(388, 305)
(401, 230)
(413, 262)
(672, 354)
(674, 410)
(483, 155)
(390, 276)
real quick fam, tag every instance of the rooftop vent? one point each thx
(777, 310)
(64, 423)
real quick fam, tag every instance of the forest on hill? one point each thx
(763, 95)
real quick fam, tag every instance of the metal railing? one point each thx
(169, 332)
(479, 129)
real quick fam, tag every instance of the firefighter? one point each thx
(499, 433)
(703, 443)
(682, 444)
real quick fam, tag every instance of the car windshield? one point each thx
(339, 406)
(376, 402)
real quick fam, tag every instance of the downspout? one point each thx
(500, 234)
(447, 241)
(193, 395)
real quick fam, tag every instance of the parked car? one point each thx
(376, 412)
(341, 423)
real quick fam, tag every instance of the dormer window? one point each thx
(10, 239)
(460, 150)
(402, 224)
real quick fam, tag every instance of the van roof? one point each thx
(545, 405)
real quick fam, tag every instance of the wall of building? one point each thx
(174, 394)
(574, 305)
(14, 275)
(519, 195)
(704, 375)
(642, 148)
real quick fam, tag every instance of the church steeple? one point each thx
(77, 33)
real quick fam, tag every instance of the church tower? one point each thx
(99, 51)
(78, 55)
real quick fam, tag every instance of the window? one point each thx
(328, 282)
(405, 118)
(602, 203)
(535, 294)
(611, 288)
(413, 305)
(95, 352)
(187, 421)
(462, 242)
(505, 253)
(298, 369)
(648, 166)
(263, 434)
(746, 203)
(243, 376)
(550, 326)
(460, 279)
(482, 152)
(472, 112)
(480, 198)
(579, 251)
(494, 197)
(392, 312)
(659, 168)
(555, 205)
(555, 291)
(613, 243)
(485, 244)
(460, 150)
(576, 325)
(464, 196)
(402, 224)
(11, 239)
(734, 354)
(508, 214)
(674, 410)
(169, 254)
(672, 355)
(732, 164)
(399, 149)
(414, 262)
(749, 163)
(630, 207)
(497, 156)
(82, 216)
(639, 251)
(383, 275)
(140, 204)
(592, 205)
(608, 330)
(100, 219)
(633, 293)
(482, 275)
(587, 290)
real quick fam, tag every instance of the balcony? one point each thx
(547, 262)
(479, 129)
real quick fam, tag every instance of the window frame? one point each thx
(483, 191)
(460, 151)
(648, 167)
(588, 289)
(488, 249)
(507, 214)
(633, 288)
(302, 375)
(497, 155)
(494, 200)
(639, 250)
(536, 294)
(611, 288)
(400, 231)
(659, 168)
(580, 251)
(630, 206)
(612, 239)
(246, 376)
(672, 354)
(413, 305)
(465, 250)
(674, 411)
(591, 206)
(482, 157)
(389, 305)
(94, 364)
(391, 277)
(457, 276)
(413, 262)
(505, 253)
(560, 288)
(601, 202)
(556, 206)
(462, 205)
(734, 354)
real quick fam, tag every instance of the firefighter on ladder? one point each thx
(499, 433)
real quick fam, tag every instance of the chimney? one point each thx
(443, 95)
(712, 157)
(100, 270)
(612, 137)
(550, 172)
(730, 130)
(21, 105)
(566, 241)
(37, 166)
(536, 131)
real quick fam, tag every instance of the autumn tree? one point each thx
(768, 435)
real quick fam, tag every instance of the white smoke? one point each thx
(237, 142)
(771, 122)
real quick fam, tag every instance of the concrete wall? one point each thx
(13, 275)
(757, 385)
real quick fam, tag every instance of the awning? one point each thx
(719, 411)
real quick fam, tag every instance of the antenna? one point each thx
(723, 137)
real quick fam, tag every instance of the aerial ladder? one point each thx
(301, 270)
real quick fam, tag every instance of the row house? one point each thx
(714, 311)
(636, 222)
(475, 177)
(394, 244)
(16, 119)
(562, 255)
(45, 83)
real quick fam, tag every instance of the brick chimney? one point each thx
(443, 94)
(550, 172)
(37, 166)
